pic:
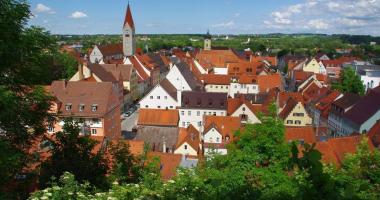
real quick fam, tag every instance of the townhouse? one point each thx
(95, 105)
(219, 131)
(197, 104)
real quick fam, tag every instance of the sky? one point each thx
(219, 16)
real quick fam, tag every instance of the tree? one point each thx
(73, 153)
(312, 181)
(350, 82)
(359, 176)
(23, 61)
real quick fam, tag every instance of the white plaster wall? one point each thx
(185, 119)
(164, 100)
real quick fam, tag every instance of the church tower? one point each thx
(129, 40)
(207, 45)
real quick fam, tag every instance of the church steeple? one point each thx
(129, 41)
(128, 20)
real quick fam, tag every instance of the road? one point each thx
(128, 123)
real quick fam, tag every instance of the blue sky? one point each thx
(220, 16)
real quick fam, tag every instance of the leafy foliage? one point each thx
(74, 153)
(350, 82)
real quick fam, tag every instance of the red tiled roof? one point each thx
(142, 75)
(218, 58)
(267, 82)
(128, 18)
(158, 117)
(324, 104)
(307, 134)
(226, 125)
(111, 49)
(241, 68)
(335, 149)
(283, 97)
(136, 147)
(290, 104)
(87, 94)
(190, 135)
(168, 163)
(234, 103)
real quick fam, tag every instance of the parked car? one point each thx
(127, 114)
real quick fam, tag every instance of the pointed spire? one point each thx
(128, 18)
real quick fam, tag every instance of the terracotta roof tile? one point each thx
(128, 18)
(306, 134)
(335, 149)
(289, 106)
(103, 95)
(226, 125)
(190, 135)
(168, 163)
(283, 97)
(267, 82)
(158, 117)
(136, 147)
(234, 103)
(111, 49)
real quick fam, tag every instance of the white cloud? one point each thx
(332, 16)
(78, 14)
(318, 24)
(237, 14)
(224, 24)
(41, 8)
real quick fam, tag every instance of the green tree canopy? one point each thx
(350, 82)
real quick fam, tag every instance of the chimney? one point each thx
(80, 71)
(164, 146)
(179, 97)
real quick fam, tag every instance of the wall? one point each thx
(243, 109)
(96, 55)
(237, 88)
(164, 100)
(177, 80)
(185, 119)
(189, 151)
(217, 88)
(304, 121)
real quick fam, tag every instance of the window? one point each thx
(171, 107)
(68, 106)
(187, 123)
(189, 113)
(216, 87)
(94, 108)
(158, 106)
(198, 113)
(209, 113)
(217, 139)
(200, 123)
(81, 107)
(243, 108)
(289, 121)
(151, 97)
(298, 114)
(146, 106)
(183, 124)
(210, 86)
(182, 112)
(50, 128)
(165, 97)
(204, 113)
(185, 146)
(243, 117)
(222, 113)
(93, 131)
(158, 97)
(297, 122)
(95, 120)
(214, 113)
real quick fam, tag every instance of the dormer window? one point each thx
(81, 107)
(68, 106)
(94, 107)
